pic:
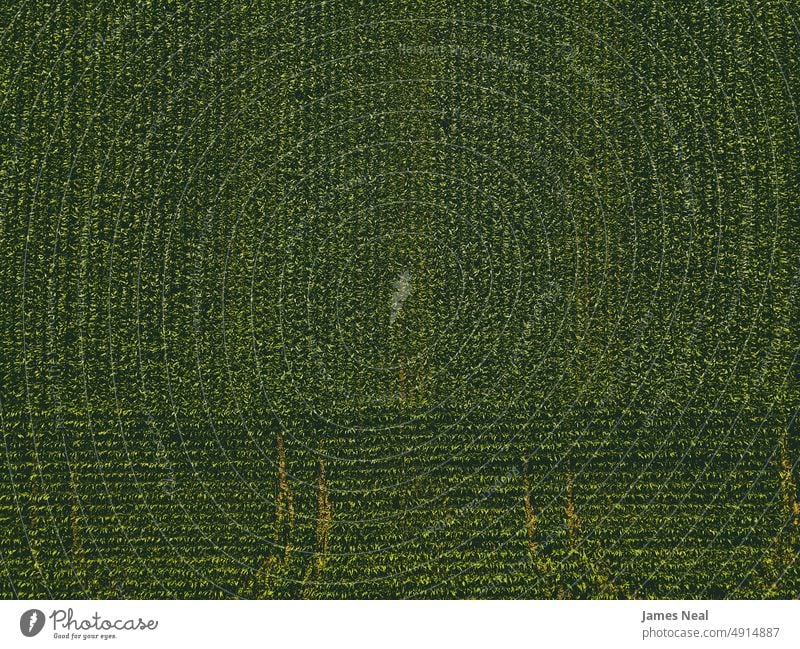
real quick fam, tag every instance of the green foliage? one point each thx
(288, 290)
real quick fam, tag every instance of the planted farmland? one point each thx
(425, 299)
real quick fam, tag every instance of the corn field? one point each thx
(410, 299)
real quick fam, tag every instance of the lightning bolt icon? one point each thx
(32, 620)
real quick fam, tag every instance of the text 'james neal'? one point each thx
(647, 616)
